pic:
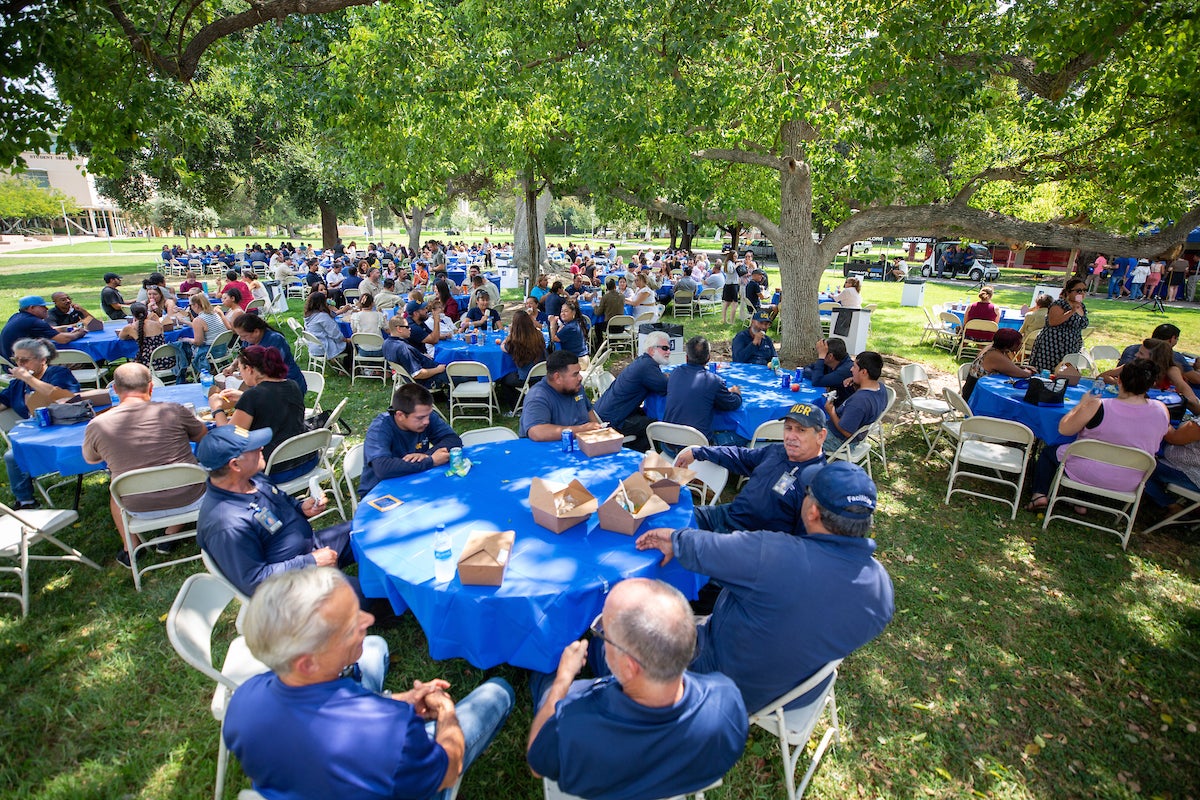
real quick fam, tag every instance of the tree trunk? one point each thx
(529, 229)
(689, 233)
(649, 226)
(801, 261)
(735, 236)
(414, 220)
(673, 226)
(329, 232)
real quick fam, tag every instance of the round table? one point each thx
(487, 352)
(995, 396)
(763, 398)
(555, 584)
(104, 345)
(1009, 317)
(59, 448)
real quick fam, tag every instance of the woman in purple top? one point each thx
(1130, 419)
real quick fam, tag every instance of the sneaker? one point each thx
(166, 547)
(27, 505)
(123, 558)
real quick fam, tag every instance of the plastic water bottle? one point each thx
(206, 379)
(112, 396)
(443, 556)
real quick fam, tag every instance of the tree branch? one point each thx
(956, 219)
(739, 156)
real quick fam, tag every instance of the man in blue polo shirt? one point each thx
(862, 408)
(621, 405)
(399, 350)
(250, 528)
(818, 597)
(1116, 277)
(307, 730)
(30, 323)
(558, 402)
(694, 394)
(406, 439)
(771, 498)
(649, 729)
(831, 370)
(752, 345)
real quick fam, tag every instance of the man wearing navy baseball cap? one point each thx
(249, 527)
(752, 345)
(30, 323)
(771, 499)
(789, 604)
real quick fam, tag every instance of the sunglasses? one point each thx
(663, 347)
(597, 629)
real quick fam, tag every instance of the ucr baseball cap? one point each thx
(806, 414)
(413, 305)
(760, 317)
(841, 487)
(227, 442)
(29, 301)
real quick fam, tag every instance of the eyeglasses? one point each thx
(597, 629)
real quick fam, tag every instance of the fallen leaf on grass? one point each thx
(1032, 749)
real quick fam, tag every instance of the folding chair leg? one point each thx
(222, 763)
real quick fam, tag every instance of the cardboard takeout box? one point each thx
(485, 558)
(600, 442)
(664, 477)
(557, 507)
(629, 505)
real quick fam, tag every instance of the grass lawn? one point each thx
(1020, 664)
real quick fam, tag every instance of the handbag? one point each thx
(1046, 393)
(71, 411)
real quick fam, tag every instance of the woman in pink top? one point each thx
(1130, 419)
(983, 309)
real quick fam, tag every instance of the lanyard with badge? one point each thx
(785, 482)
(266, 517)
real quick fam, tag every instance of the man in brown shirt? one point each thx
(139, 433)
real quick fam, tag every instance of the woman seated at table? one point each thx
(644, 300)
(147, 331)
(161, 307)
(1130, 419)
(231, 306)
(32, 375)
(252, 329)
(552, 301)
(534, 311)
(1063, 333)
(319, 321)
(365, 318)
(623, 288)
(257, 290)
(1035, 318)
(189, 283)
(998, 359)
(571, 332)
(268, 400)
(1170, 376)
(448, 302)
(982, 309)
(207, 325)
(527, 348)
(481, 316)
(851, 294)
(540, 291)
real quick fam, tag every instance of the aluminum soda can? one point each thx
(42, 416)
(566, 441)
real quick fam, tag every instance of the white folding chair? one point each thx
(303, 445)
(624, 339)
(709, 483)
(83, 367)
(947, 337)
(683, 305)
(165, 352)
(352, 467)
(597, 382)
(951, 423)
(917, 406)
(228, 355)
(148, 481)
(768, 432)
(933, 328)
(1081, 362)
(374, 367)
(795, 727)
(352, 295)
(964, 371)
(22, 530)
(708, 302)
(316, 385)
(1104, 352)
(825, 309)
(473, 394)
(856, 449)
(496, 433)
(968, 348)
(988, 449)
(1125, 504)
(535, 374)
(877, 433)
(1180, 517)
(201, 602)
(677, 436)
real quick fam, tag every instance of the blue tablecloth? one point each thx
(763, 398)
(555, 584)
(105, 346)
(456, 276)
(587, 309)
(1009, 317)
(59, 448)
(995, 396)
(487, 352)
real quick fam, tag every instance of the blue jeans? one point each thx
(833, 438)
(373, 663)
(1137, 291)
(1156, 487)
(20, 482)
(481, 715)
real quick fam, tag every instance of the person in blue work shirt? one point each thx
(249, 527)
(862, 408)
(399, 350)
(831, 370)
(253, 329)
(557, 402)
(648, 728)
(752, 345)
(694, 394)
(789, 604)
(406, 439)
(621, 405)
(771, 498)
(30, 323)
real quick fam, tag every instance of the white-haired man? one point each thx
(621, 405)
(308, 730)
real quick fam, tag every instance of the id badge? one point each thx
(266, 517)
(786, 481)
